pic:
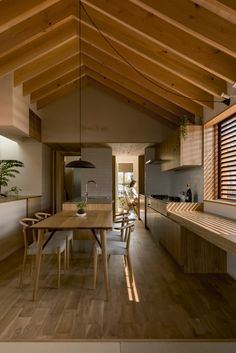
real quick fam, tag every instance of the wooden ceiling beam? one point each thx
(46, 61)
(122, 37)
(56, 84)
(149, 26)
(38, 47)
(223, 8)
(37, 25)
(50, 75)
(143, 63)
(152, 74)
(14, 12)
(123, 80)
(157, 113)
(195, 20)
(65, 90)
(160, 90)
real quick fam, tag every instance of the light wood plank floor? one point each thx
(166, 303)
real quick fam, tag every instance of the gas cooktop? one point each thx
(166, 198)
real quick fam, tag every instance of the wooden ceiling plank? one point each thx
(152, 73)
(194, 20)
(55, 85)
(38, 47)
(127, 72)
(14, 12)
(35, 26)
(131, 96)
(65, 90)
(119, 35)
(124, 80)
(174, 39)
(50, 75)
(47, 61)
(223, 8)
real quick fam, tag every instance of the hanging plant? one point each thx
(183, 122)
(8, 170)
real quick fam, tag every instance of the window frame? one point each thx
(220, 197)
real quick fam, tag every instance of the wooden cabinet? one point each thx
(142, 210)
(178, 152)
(164, 230)
(170, 238)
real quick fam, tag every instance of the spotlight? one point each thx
(226, 101)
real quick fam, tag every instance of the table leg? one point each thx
(104, 258)
(38, 263)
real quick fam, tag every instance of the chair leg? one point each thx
(71, 248)
(129, 269)
(23, 270)
(58, 269)
(67, 253)
(65, 261)
(95, 267)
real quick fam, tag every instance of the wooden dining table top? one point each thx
(94, 219)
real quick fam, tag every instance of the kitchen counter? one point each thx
(91, 200)
(17, 198)
(217, 230)
(197, 241)
(93, 203)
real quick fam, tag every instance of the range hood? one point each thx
(154, 161)
(153, 156)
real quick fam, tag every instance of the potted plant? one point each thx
(7, 171)
(81, 208)
(14, 190)
(183, 123)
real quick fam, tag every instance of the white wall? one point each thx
(102, 174)
(106, 118)
(35, 176)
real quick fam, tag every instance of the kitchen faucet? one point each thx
(86, 188)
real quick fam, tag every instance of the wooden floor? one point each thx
(165, 304)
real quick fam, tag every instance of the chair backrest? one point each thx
(127, 229)
(27, 223)
(42, 215)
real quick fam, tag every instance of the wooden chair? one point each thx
(55, 246)
(116, 248)
(65, 234)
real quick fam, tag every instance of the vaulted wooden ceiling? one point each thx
(169, 57)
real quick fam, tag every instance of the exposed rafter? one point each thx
(159, 31)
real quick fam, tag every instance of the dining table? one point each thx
(98, 221)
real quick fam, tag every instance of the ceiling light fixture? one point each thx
(80, 163)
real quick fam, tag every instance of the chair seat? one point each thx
(51, 247)
(64, 234)
(113, 248)
(113, 235)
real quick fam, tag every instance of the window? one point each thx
(227, 159)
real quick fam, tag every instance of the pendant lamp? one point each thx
(80, 163)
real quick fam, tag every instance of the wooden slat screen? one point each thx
(227, 159)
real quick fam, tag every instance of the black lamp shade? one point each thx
(80, 164)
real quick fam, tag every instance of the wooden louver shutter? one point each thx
(227, 159)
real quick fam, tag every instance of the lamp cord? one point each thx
(137, 70)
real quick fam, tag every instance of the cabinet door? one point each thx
(170, 152)
(191, 147)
